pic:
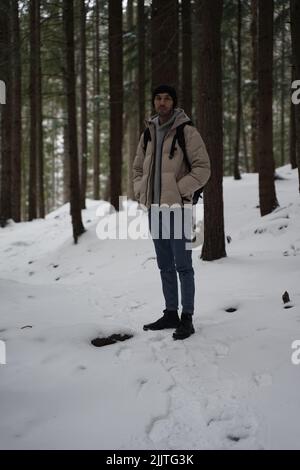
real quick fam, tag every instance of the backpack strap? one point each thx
(147, 137)
(173, 145)
(179, 136)
(181, 140)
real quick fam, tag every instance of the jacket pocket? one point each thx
(169, 190)
(136, 189)
(142, 189)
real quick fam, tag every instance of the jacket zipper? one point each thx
(161, 163)
(150, 172)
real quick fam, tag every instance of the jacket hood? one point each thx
(180, 118)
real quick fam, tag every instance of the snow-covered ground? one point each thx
(232, 385)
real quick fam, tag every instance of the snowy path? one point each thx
(231, 385)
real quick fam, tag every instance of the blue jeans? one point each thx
(174, 255)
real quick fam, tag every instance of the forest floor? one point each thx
(232, 385)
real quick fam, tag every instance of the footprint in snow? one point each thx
(263, 380)
(124, 353)
(231, 309)
(221, 349)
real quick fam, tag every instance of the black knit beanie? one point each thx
(165, 89)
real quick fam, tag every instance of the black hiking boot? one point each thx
(169, 320)
(185, 328)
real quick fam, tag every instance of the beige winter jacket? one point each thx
(178, 181)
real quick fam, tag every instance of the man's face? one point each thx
(163, 104)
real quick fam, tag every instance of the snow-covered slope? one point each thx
(231, 385)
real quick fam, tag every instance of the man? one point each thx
(163, 178)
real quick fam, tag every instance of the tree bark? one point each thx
(245, 144)
(66, 163)
(96, 125)
(83, 99)
(6, 124)
(75, 206)
(164, 39)
(254, 104)
(39, 115)
(295, 33)
(210, 119)
(32, 198)
(293, 153)
(16, 135)
(267, 194)
(237, 175)
(141, 63)
(132, 113)
(116, 100)
(282, 89)
(187, 85)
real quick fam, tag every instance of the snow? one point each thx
(232, 385)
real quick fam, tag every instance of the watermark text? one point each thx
(296, 93)
(295, 358)
(2, 92)
(2, 353)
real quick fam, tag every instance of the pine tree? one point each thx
(75, 206)
(210, 119)
(267, 195)
(116, 100)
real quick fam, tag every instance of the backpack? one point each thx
(179, 136)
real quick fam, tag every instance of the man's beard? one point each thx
(164, 112)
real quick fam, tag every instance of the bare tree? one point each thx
(295, 33)
(32, 198)
(75, 207)
(187, 86)
(164, 34)
(5, 68)
(293, 137)
(116, 99)
(210, 119)
(96, 104)
(237, 175)
(131, 115)
(83, 100)
(141, 63)
(16, 134)
(254, 110)
(267, 194)
(39, 113)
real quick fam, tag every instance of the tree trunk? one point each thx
(236, 169)
(83, 97)
(52, 182)
(141, 64)
(6, 124)
(164, 39)
(295, 33)
(68, 21)
(210, 119)
(293, 153)
(96, 125)
(282, 89)
(116, 100)
(267, 195)
(66, 164)
(245, 144)
(16, 135)
(32, 198)
(187, 86)
(254, 104)
(131, 115)
(39, 116)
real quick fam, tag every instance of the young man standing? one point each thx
(164, 180)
